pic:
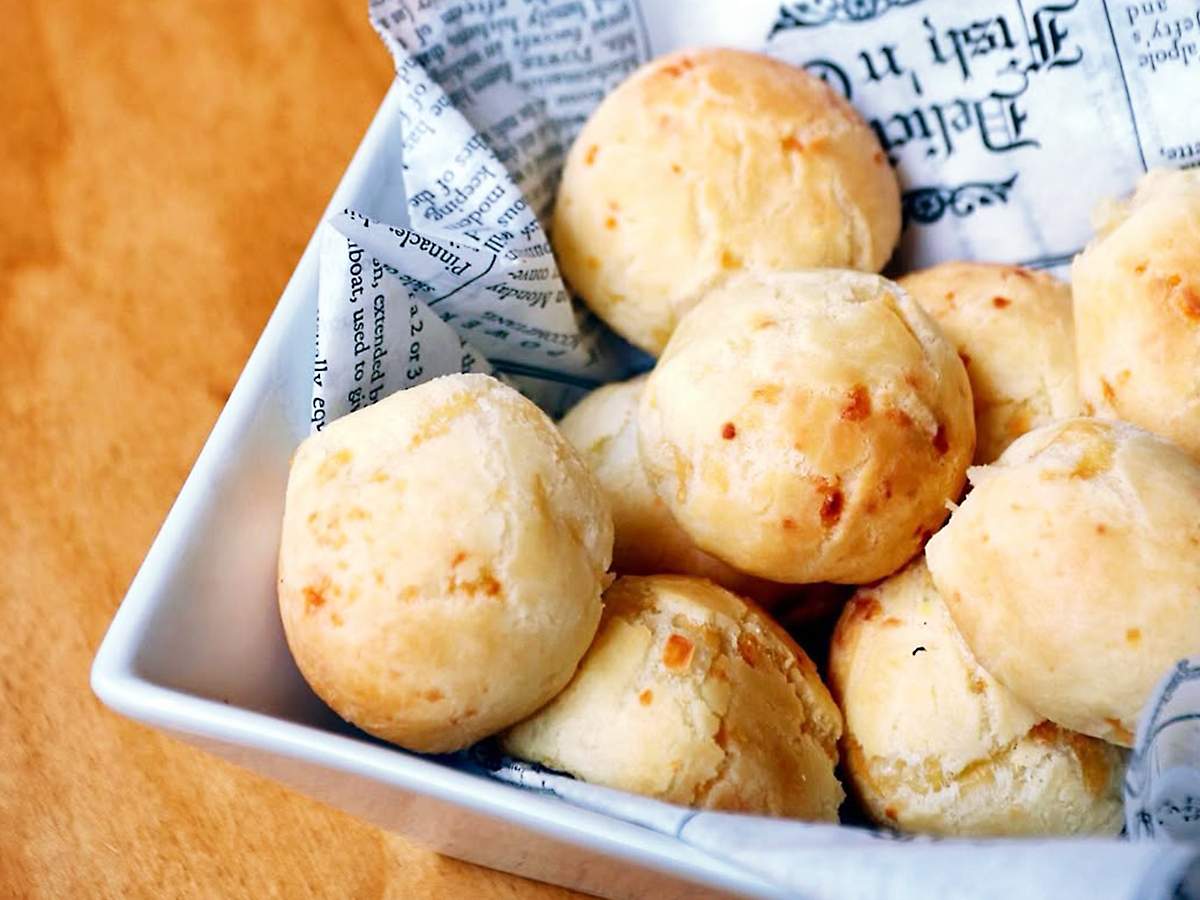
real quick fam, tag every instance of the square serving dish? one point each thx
(197, 648)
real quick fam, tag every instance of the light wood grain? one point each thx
(161, 166)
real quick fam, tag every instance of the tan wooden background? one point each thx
(161, 167)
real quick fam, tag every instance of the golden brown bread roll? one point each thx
(808, 426)
(441, 563)
(1072, 570)
(603, 428)
(935, 744)
(1012, 328)
(708, 161)
(1137, 309)
(692, 696)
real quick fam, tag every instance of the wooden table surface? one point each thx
(161, 167)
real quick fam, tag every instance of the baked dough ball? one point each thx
(1013, 330)
(808, 426)
(707, 161)
(1073, 570)
(603, 428)
(692, 696)
(935, 744)
(441, 564)
(1137, 309)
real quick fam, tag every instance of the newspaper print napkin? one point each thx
(1006, 121)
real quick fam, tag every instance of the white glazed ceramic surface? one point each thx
(197, 648)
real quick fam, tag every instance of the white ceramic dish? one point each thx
(197, 648)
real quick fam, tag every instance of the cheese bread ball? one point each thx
(1073, 570)
(1012, 328)
(603, 428)
(441, 564)
(708, 161)
(1137, 309)
(935, 744)
(692, 696)
(808, 426)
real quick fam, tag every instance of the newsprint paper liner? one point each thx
(1007, 123)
